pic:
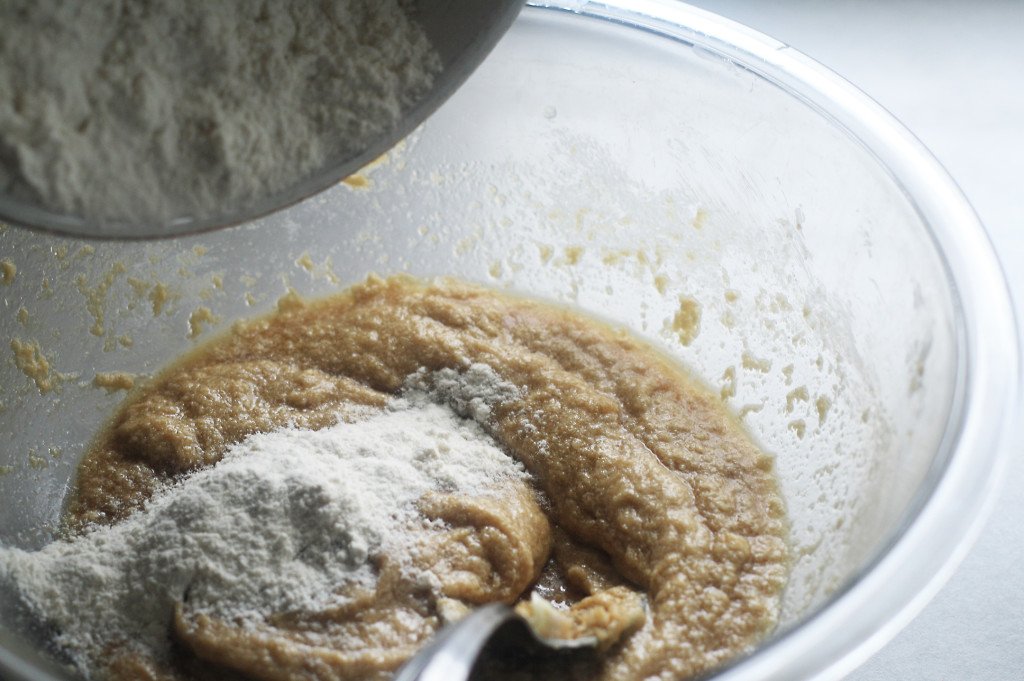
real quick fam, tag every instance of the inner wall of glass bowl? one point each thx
(622, 173)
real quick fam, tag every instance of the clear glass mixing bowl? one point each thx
(634, 159)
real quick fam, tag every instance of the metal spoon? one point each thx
(452, 654)
(462, 31)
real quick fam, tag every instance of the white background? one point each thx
(953, 73)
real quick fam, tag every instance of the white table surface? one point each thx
(953, 72)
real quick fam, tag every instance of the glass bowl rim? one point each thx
(953, 501)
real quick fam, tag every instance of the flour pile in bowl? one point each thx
(282, 523)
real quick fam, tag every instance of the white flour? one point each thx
(285, 518)
(141, 110)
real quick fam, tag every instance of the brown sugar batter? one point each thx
(644, 487)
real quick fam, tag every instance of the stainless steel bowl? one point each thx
(462, 31)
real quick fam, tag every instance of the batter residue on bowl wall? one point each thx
(629, 498)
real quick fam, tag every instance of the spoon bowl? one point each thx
(453, 653)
